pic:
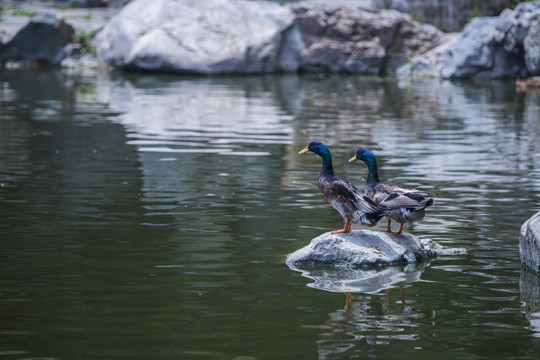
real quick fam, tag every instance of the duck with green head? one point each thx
(400, 205)
(354, 206)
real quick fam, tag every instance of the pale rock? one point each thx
(206, 37)
(366, 248)
(529, 243)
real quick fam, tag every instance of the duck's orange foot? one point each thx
(342, 231)
(388, 230)
(345, 230)
(391, 232)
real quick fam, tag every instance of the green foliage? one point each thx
(414, 17)
(23, 12)
(71, 5)
(475, 12)
(85, 39)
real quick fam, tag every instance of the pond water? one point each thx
(149, 217)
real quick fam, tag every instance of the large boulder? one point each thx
(361, 41)
(529, 243)
(489, 47)
(366, 248)
(206, 37)
(43, 39)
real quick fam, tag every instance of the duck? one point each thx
(400, 205)
(527, 83)
(347, 199)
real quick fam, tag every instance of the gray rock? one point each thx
(531, 46)
(489, 47)
(361, 41)
(366, 248)
(429, 64)
(207, 37)
(529, 243)
(474, 53)
(42, 40)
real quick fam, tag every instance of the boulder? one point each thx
(529, 243)
(366, 248)
(360, 41)
(489, 47)
(429, 64)
(476, 54)
(205, 37)
(42, 40)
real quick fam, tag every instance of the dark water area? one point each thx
(149, 217)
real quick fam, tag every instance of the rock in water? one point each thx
(205, 37)
(366, 248)
(42, 40)
(529, 243)
(488, 47)
(359, 41)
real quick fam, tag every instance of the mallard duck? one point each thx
(527, 83)
(400, 205)
(354, 206)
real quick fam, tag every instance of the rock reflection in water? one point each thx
(529, 287)
(367, 281)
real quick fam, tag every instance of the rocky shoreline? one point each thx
(188, 37)
(206, 38)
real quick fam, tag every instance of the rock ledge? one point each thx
(367, 248)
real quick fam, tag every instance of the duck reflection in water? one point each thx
(369, 321)
(373, 314)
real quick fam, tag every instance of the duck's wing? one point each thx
(393, 197)
(356, 198)
(346, 190)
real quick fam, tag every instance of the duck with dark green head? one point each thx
(400, 205)
(354, 206)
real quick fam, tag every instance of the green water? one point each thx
(148, 217)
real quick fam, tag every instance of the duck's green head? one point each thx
(318, 148)
(363, 154)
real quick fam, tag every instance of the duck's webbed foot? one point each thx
(388, 229)
(345, 230)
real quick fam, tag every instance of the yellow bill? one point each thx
(304, 150)
(353, 159)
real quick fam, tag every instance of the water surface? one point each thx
(149, 216)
